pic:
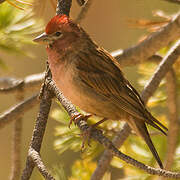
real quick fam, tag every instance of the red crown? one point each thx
(54, 23)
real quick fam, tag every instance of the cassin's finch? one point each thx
(92, 79)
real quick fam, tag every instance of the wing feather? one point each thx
(102, 73)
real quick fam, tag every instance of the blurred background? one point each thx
(107, 23)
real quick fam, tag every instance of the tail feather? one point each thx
(153, 122)
(141, 129)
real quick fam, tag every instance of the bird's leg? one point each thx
(77, 117)
(99, 122)
(87, 134)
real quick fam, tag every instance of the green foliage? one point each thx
(58, 172)
(71, 138)
(82, 169)
(15, 27)
(134, 146)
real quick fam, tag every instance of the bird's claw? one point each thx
(86, 135)
(77, 117)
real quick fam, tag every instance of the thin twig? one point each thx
(81, 2)
(141, 52)
(38, 132)
(146, 94)
(34, 155)
(13, 85)
(172, 105)
(107, 156)
(16, 150)
(63, 7)
(1, 1)
(173, 1)
(16, 111)
(163, 68)
(84, 11)
(16, 147)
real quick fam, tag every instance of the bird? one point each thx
(92, 79)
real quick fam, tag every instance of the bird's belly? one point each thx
(64, 81)
(76, 96)
(86, 99)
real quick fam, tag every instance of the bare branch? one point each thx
(16, 150)
(84, 11)
(34, 155)
(63, 7)
(16, 111)
(16, 147)
(172, 105)
(173, 1)
(81, 2)
(38, 132)
(137, 54)
(107, 156)
(1, 1)
(13, 85)
(167, 62)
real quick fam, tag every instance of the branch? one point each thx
(139, 53)
(172, 104)
(81, 2)
(148, 91)
(84, 11)
(1, 1)
(98, 136)
(63, 7)
(16, 111)
(16, 150)
(173, 1)
(34, 155)
(38, 133)
(163, 68)
(13, 85)
(16, 147)
(107, 156)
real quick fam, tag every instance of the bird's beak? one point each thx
(42, 39)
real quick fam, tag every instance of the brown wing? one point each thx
(100, 71)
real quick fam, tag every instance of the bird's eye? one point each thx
(58, 34)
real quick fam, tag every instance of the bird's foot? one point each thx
(86, 135)
(78, 117)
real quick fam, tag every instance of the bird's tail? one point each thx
(140, 128)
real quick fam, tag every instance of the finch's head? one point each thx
(60, 29)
